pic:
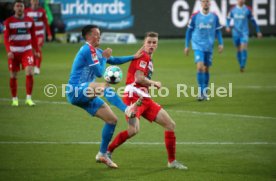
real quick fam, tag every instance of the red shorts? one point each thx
(24, 58)
(148, 110)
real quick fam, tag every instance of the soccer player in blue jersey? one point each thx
(241, 15)
(83, 91)
(203, 29)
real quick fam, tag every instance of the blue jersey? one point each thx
(204, 29)
(241, 15)
(88, 64)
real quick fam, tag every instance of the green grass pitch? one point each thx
(222, 139)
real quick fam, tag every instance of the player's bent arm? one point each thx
(119, 60)
(257, 28)
(142, 80)
(188, 37)
(220, 40)
(97, 66)
(6, 37)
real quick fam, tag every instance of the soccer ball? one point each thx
(113, 74)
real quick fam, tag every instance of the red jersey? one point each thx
(19, 34)
(40, 19)
(144, 64)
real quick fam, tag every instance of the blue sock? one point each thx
(200, 81)
(239, 57)
(207, 78)
(244, 58)
(113, 98)
(107, 134)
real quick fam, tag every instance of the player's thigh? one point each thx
(151, 110)
(208, 58)
(96, 89)
(164, 119)
(106, 114)
(14, 64)
(244, 42)
(27, 59)
(77, 94)
(236, 41)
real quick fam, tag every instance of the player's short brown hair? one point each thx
(19, 1)
(151, 34)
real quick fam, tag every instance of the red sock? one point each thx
(13, 87)
(29, 84)
(38, 59)
(119, 139)
(170, 142)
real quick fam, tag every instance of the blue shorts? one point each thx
(205, 57)
(76, 95)
(238, 40)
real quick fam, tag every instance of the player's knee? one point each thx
(112, 120)
(170, 126)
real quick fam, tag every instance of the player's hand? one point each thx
(220, 48)
(186, 51)
(39, 41)
(10, 55)
(50, 38)
(36, 54)
(138, 54)
(259, 35)
(107, 53)
(157, 84)
(228, 30)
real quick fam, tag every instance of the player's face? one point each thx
(94, 37)
(150, 44)
(18, 9)
(241, 2)
(205, 4)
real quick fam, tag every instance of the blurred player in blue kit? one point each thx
(203, 29)
(241, 14)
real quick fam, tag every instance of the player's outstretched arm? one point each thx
(124, 59)
(142, 80)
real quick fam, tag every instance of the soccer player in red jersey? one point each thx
(137, 85)
(20, 42)
(41, 23)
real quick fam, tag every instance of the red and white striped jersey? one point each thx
(19, 34)
(40, 19)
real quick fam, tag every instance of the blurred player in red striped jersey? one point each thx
(21, 44)
(41, 23)
(137, 85)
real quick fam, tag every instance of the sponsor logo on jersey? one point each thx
(205, 26)
(143, 64)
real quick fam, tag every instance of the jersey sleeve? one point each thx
(218, 25)
(229, 17)
(119, 60)
(141, 64)
(6, 35)
(189, 31)
(251, 17)
(34, 40)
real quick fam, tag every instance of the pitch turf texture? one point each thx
(222, 139)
